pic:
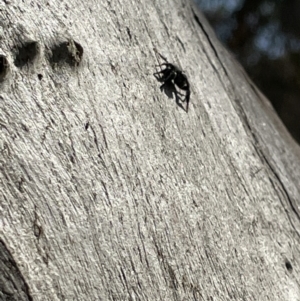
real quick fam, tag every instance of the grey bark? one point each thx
(109, 190)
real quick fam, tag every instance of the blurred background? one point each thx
(264, 35)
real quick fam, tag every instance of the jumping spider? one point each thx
(171, 76)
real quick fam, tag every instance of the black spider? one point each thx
(172, 76)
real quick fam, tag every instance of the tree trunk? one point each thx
(109, 190)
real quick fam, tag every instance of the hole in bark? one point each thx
(129, 33)
(40, 76)
(4, 67)
(69, 52)
(72, 159)
(25, 53)
(12, 283)
(288, 266)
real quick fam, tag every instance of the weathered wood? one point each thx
(109, 190)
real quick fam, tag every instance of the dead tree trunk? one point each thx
(109, 190)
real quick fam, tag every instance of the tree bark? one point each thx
(109, 190)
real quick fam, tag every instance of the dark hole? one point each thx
(288, 266)
(72, 159)
(40, 76)
(3, 67)
(25, 53)
(13, 284)
(66, 52)
(59, 53)
(129, 33)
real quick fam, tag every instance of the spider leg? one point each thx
(187, 99)
(162, 87)
(186, 95)
(178, 100)
(160, 66)
(181, 94)
(157, 53)
(163, 64)
(158, 75)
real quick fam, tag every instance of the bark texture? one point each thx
(109, 190)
